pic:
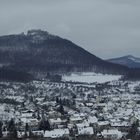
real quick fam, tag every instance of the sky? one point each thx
(106, 28)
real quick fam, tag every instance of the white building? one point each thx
(112, 133)
(57, 133)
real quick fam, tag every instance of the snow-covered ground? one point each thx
(90, 77)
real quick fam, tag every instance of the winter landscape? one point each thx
(69, 70)
(71, 109)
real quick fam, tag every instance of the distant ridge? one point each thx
(128, 60)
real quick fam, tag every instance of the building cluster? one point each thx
(70, 110)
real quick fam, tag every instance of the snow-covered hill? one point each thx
(129, 61)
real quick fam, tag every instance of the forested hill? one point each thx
(40, 52)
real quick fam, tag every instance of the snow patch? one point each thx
(90, 77)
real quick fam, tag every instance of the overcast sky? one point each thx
(106, 28)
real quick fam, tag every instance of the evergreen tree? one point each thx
(44, 125)
(1, 129)
(10, 124)
(57, 100)
(38, 115)
(30, 133)
(26, 127)
(134, 129)
(12, 129)
(61, 109)
(14, 133)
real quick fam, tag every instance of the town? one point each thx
(70, 110)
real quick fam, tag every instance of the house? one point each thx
(89, 104)
(21, 134)
(55, 122)
(30, 121)
(92, 120)
(114, 134)
(102, 125)
(5, 133)
(26, 115)
(54, 114)
(82, 125)
(57, 133)
(121, 125)
(75, 119)
(38, 133)
(85, 131)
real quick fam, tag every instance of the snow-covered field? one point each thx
(90, 77)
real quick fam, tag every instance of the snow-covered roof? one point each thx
(56, 133)
(102, 123)
(23, 115)
(92, 120)
(27, 120)
(79, 115)
(57, 120)
(112, 132)
(76, 119)
(85, 131)
(83, 124)
(120, 124)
